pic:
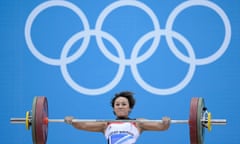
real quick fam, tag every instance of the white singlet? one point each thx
(121, 133)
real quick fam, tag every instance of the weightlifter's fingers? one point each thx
(166, 120)
(68, 119)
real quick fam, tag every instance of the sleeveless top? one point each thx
(121, 133)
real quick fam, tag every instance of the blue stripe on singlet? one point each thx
(124, 139)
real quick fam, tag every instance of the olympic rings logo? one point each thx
(134, 60)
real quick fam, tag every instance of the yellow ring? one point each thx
(27, 120)
(209, 124)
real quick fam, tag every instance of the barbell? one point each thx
(37, 119)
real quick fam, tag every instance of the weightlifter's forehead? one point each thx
(121, 100)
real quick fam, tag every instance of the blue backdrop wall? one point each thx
(80, 53)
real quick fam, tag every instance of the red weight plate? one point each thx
(33, 122)
(41, 129)
(200, 128)
(193, 121)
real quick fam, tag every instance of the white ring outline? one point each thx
(76, 86)
(220, 12)
(32, 17)
(116, 5)
(180, 85)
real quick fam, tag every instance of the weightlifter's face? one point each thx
(121, 107)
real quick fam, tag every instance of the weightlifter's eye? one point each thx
(120, 104)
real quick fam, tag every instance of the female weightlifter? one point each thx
(124, 132)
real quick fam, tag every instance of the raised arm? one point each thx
(88, 126)
(154, 126)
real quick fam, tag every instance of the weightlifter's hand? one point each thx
(166, 121)
(68, 119)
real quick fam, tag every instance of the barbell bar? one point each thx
(37, 118)
(46, 120)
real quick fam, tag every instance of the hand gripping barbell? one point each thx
(37, 118)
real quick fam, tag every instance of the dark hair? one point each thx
(126, 94)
